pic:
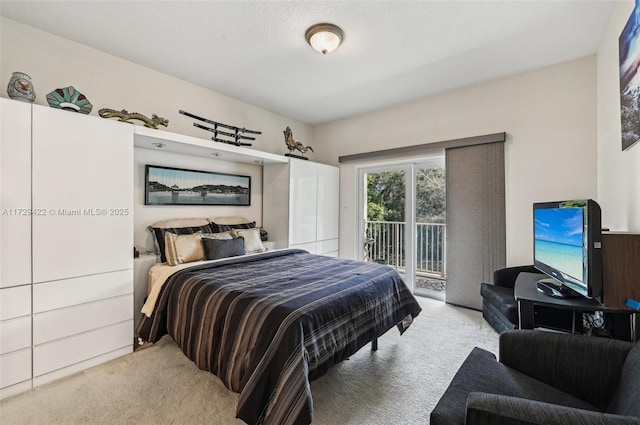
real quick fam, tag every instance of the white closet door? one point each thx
(328, 202)
(15, 193)
(82, 179)
(302, 201)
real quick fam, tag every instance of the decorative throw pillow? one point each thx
(180, 249)
(215, 249)
(252, 242)
(221, 235)
(158, 236)
(228, 227)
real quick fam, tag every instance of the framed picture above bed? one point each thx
(178, 186)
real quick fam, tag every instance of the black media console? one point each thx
(566, 313)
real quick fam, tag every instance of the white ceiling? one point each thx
(394, 51)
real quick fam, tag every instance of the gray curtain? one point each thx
(476, 234)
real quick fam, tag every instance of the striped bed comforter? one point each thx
(268, 325)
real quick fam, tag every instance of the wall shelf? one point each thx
(165, 141)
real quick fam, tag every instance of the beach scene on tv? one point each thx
(168, 186)
(558, 240)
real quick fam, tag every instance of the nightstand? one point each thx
(141, 267)
(269, 245)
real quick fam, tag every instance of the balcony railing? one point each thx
(385, 243)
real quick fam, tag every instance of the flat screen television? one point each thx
(567, 246)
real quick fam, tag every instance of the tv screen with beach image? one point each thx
(559, 240)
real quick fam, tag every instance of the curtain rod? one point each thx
(425, 147)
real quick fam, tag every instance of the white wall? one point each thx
(549, 116)
(618, 171)
(110, 82)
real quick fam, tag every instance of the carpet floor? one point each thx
(398, 384)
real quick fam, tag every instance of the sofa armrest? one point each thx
(507, 277)
(588, 368)
(490, 409)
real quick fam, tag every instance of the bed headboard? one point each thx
(191, 222)
(230, 220)
(181, 222)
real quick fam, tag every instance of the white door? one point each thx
(303, 182)
(82, 184)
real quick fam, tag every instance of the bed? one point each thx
(267, 324)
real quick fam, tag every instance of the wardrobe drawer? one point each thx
(15, 334)
(15, 367)
(327, 246)
(68, 292)
(61, 323)
(310, 247)
(15, 302)
(67, 351)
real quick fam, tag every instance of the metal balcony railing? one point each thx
(385, 243)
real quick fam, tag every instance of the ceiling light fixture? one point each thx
(324, 38)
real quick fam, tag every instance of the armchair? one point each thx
(545, 378)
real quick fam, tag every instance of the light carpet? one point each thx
(398, 384)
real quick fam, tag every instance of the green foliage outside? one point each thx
(386, 198)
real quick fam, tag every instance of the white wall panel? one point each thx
(303, 201)
(15, 193)
(328, 203)
(82, 178)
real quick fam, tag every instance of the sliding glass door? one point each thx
(401, 221)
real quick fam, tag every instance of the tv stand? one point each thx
(620, 323)
(554, 289)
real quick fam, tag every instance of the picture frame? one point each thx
(629, 60)
(179, 186)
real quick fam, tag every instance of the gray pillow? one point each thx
(222, 248)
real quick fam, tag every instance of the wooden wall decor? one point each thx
(621, 268)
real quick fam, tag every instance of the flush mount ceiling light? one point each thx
(324, 38)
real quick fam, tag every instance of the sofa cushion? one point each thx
(626, 399)
(502, 299)
(496, 319)
(481, 372)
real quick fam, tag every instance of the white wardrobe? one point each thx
(66, 280)
(301, 206)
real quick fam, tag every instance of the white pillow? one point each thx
(252, 242)
(181, 249)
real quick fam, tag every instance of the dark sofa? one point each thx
(545, 378)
